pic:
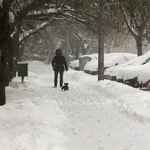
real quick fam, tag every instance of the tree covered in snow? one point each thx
(136, 16)
(20, 19)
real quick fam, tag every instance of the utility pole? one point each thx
(100, 45)
(67, 43)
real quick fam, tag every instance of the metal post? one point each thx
(22, 79)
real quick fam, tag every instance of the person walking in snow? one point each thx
(59, 64)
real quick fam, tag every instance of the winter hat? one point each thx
(58, 52)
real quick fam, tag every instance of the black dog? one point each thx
(65, 87)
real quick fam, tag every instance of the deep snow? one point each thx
(92, 115)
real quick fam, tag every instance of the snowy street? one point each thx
(92, 115)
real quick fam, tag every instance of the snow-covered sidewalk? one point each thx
(92, 115)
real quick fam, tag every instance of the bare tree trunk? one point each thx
(84, 52)
(100, 47)
(67, 43)
(4, 38)
(48, 58)
(2, 94)
(3, 50)
(77, 51)
(139, 45)
(47, 61)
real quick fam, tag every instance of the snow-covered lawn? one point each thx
(92, 115)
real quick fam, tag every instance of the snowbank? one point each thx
(91, 115)
(128, 100)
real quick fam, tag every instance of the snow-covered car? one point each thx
(145, 86)
(80, 63)
(144, 80)
(86, 58)
(111, 72)
(114, 59)
(91, 67)
(131, 77)
(110, 60)
(141, 60)
(74, 64)
(121, 72)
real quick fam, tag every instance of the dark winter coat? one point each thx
(58, 63)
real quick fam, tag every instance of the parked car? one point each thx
(130, 72)
(86, 58)
(141, 60)
(80, 63)
(121, 72)
(111, 72)
(114, 59)
(74, 64)
(91, 67)
(144, 80)
(131, 76)
(145, 86)
(110, 60)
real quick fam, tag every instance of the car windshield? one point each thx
(148, 60)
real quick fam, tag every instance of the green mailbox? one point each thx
(22, 69)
